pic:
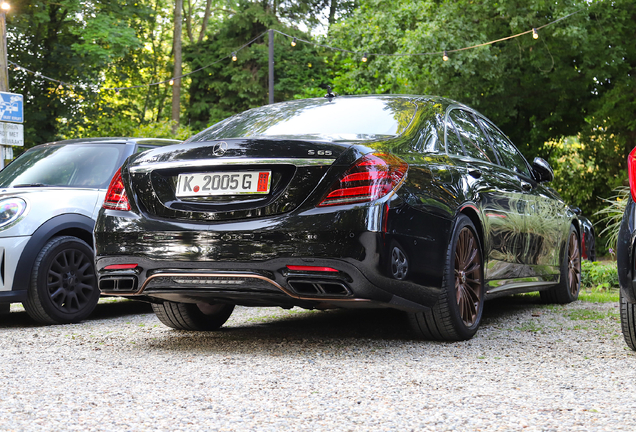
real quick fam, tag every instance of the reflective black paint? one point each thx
(625, 252)
(522, 224)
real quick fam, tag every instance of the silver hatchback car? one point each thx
(49, 199)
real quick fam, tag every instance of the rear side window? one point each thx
(453, 143)
(510, 157)
(473, 139)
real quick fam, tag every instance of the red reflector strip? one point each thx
(120, 266)
(263, 181)
(311, 268)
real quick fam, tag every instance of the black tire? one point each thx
(569, 285)
(628, 322)
(63, 287)
(190, 316)
(457, 313)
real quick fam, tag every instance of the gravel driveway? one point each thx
(530, 367)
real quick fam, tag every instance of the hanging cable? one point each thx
(295, 40)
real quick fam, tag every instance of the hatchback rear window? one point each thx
(73, 165)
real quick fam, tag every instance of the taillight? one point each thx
(371, 177)
(116, 198)
(631, 170)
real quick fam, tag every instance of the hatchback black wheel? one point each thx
(63, 287)
(190, 316)
(457, 313)
(570, 282)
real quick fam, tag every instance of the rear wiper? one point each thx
(30, 185)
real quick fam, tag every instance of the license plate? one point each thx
(223, 183)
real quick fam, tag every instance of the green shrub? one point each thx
(599, 276)
(611, 215)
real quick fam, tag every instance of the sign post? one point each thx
(11, 134)
(10, 107)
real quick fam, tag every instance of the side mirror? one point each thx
(542, 170)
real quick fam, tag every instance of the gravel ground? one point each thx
(530, 367)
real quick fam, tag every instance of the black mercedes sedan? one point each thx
(625, 249)
(409, 202)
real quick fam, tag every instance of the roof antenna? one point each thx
(329, 94)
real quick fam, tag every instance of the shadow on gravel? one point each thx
(102, 311)
(332, 328)
(506, 307)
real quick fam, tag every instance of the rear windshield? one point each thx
(72, 165)
(335, 120)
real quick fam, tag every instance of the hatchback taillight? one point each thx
(116, 198)
(631, 170)
(371, 177)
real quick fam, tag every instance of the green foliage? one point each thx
(612, 215)
(228, 87)
(584, 172)
(73, 41)
(592, 296)
(599, 276)
(576, 80)
(162, 129)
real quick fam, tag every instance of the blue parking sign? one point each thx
(11, 107)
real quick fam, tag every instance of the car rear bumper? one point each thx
(248, 263)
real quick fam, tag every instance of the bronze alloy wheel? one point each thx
(574, 264)
(468, 283)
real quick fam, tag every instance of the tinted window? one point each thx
(338, 119)
(475, 143)
(71, 165)
(453, 144)
(143, 148)
(510, 157)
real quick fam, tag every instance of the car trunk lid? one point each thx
(230, 179)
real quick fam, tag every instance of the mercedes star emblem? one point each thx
(219, 148)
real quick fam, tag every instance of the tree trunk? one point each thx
(176, 49)
(206, 18)
(332, 11)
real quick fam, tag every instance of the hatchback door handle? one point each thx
(526, 186)
(474, 172)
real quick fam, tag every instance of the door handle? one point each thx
(474, 172)
(526, 186)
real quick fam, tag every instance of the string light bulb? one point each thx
(535, 33)
(445, 56)
(5, 6)
(293, 42)
(234, 58)
(171, 82)
(364, 58)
